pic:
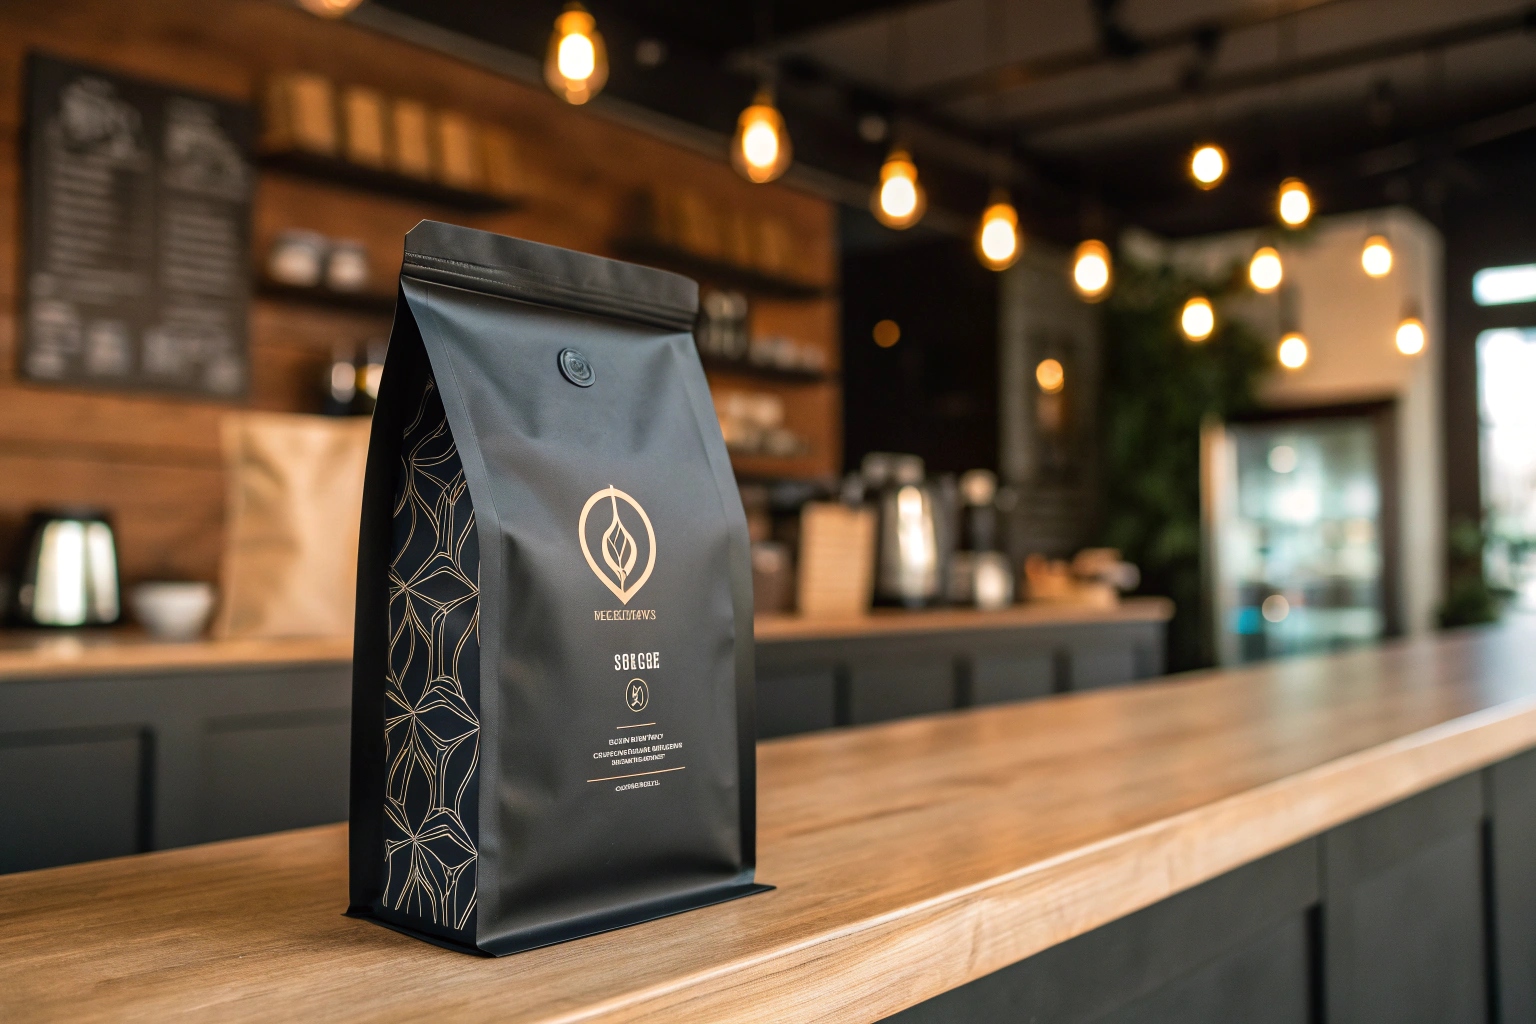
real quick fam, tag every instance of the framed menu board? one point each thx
(137, 234)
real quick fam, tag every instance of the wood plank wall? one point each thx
(154, 462)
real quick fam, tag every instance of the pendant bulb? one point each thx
(899, 200)
(1293, 351)
(1092, 270)
(1376, 256)
(1198, 319)
(1294, 203)
(1265, 271)
(576, 64)
(1208, 165)
(998, 239)
(761, 150)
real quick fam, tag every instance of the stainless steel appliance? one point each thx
(68, 571)
(909, 569)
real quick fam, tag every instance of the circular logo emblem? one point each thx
(622, 570)
(575, 368)
(636, 694)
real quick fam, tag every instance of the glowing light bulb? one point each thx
(1411, 336)
(329, 8)
(887, 333)
(1376, 257)
(761, 150)
(1208, 165)
(997, 238)
(1265, 271)
(1293, 351)
(1295, 202)
(1091, 270)
(1050, 376)
(576, 65)
(1198, 319)
(899, 201)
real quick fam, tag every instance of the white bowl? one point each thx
(172, 611)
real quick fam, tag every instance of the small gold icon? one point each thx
(636, 694)
(620, 551)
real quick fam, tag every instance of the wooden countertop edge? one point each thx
(943, 943)
(53, 657)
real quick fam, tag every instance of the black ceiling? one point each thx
(1097, 101)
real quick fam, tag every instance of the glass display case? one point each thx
(1297, 549)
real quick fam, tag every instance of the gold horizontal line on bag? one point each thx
(659, 771)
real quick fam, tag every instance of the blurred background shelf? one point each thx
(360, 302)
(352, 175)
(722, 364)
(716, 272)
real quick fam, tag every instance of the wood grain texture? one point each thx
(580, 171)
(36, 654)
(888, 621)
(910, 858)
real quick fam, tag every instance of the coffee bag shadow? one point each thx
(552, 728)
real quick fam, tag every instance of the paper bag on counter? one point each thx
(294, 494)
(837, 560)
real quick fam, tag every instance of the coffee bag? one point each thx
(552, 684)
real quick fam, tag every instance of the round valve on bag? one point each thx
(575, 368)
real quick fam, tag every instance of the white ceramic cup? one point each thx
(172, 610)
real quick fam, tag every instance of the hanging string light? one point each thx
(1376, 256)
(1208, 165)
(1198, 319)
(1411, 336)
(330, 8)
(1294, 203)
(899, 201)
(998, 242)
(761, 150)
(1091, 270)
(1265, 271)
(576, 65)
(1293, 351)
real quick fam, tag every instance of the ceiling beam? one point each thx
(1274, 74)
(1200, 37)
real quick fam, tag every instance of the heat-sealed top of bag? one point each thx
(552, 671)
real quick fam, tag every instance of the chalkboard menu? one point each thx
(138, 202)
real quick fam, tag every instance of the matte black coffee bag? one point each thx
(552, 686)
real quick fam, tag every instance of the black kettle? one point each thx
(67, 575)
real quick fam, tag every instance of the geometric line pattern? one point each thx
(432, 685)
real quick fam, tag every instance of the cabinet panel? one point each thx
(1098, 666)
(1403, 912)
(879, 690)
(795, 700)
(1511, 794)
(1020, 675)
(1263, 981)
(1234, 948)
(266, 773)
(70, 795)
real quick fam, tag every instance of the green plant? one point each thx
(1157, 390)
(1469, 600)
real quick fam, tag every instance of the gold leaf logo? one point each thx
(619, 547)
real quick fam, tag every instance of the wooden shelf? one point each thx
(344, 172)
(359, 302)
(717, 272)
(721, 364)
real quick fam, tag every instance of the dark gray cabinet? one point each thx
(1421, 913)
(816, 684)
(110, 765)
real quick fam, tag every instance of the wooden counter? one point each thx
(33, 654)
(910, 858)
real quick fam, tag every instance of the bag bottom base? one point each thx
(550, 935)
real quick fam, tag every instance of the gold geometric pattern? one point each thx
(432, 686)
